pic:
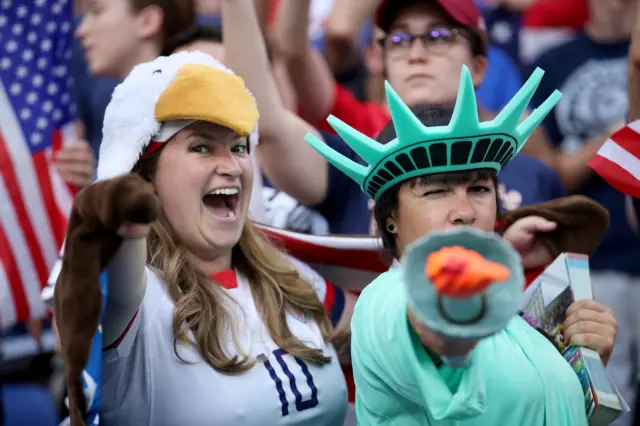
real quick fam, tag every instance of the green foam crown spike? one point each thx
(464, 144)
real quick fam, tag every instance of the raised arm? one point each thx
(571, 166)
(100, 231)
(634, 73)
(343, 30)
(310, 74)
(127, 284)
(290, 163)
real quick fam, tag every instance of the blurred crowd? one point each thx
(306, 59)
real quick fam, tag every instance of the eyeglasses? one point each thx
(436, 40)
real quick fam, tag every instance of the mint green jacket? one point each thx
(516, 377)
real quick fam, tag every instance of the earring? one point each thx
(391, 228)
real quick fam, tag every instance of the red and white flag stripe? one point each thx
(347, 261)
(618, 160)
(34, 206)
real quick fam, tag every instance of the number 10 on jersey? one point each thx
(281, 388)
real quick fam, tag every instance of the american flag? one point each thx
(36, 112)
(618, 160)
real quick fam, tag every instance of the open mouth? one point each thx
(223, 202)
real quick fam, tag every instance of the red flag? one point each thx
(618, 160)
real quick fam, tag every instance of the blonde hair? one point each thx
(203, 307)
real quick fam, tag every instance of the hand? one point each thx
(592, 325)
(126, 205)
(522, 237)
(76, 164)
(615, 127)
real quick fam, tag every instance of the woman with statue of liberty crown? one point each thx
(427, 354)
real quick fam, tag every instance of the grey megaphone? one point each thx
(475, 316)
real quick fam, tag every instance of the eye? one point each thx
(479, 188)
(157, 72)
(441, 34)
(200, 149)
(400, 39)
(433, 192)
(241, 148)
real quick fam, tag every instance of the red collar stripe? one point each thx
(226, 279)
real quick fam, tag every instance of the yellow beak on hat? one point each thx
(200, 92)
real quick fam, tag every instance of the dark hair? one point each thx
(177, 15)
(430, 116)
(196, 32)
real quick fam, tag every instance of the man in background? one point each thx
(591, 72)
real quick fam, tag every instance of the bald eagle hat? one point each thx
(161, 97)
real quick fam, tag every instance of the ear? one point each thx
(391, 222)
(478, 68)
(150, 20)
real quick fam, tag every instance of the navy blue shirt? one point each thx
(92, 95)
(593, 80)
(345, 210)
(503, 27)
(346, 207)
(26, 403)
(525, 180)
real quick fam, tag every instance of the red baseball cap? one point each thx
(464, 12)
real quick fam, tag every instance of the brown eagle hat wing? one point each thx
(582, 223)
(92, 241)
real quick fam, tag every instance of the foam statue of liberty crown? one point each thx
(464, 144)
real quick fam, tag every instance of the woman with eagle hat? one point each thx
(205, 320)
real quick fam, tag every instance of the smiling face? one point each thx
(203, 178)
(427, 70)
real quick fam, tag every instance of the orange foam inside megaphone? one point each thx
(460, 273)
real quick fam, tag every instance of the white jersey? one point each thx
(145, 383)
